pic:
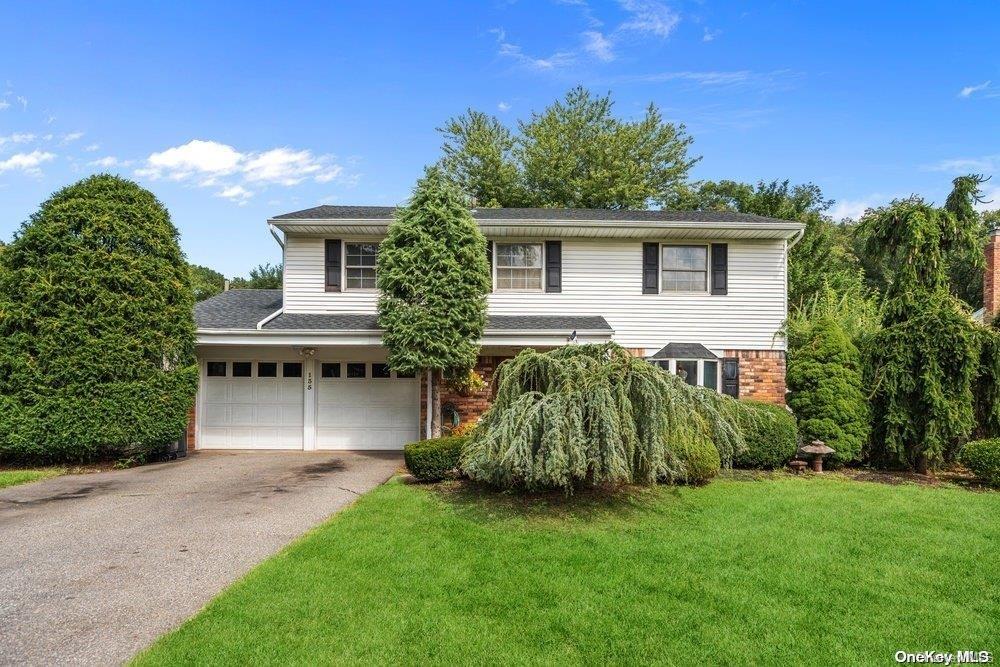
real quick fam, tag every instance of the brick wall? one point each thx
(762, 374)
(191, 430)
(991, 281)
(470, 407)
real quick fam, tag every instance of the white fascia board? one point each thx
(374, 337)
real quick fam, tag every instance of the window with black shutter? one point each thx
(720, 268)
(650, 268)
(332, 263)
(553, 266)
(731, 376)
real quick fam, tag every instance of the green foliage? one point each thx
(594, 414)
(205, 282)
(96, 327)
(986, 387)
(822, 258)
(855, 311)
(770, 435)
(574, 154)
(926, 356)
(431, 460)
(983, 458)
(262, 276)
(433, 277)
(826, 385)
(700, 461)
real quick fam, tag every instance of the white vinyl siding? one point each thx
(604, 277)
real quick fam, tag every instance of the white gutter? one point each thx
(263, 322)
(796, 238)
(277, 238)
(353, 332)
(260, 325)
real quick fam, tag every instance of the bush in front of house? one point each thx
(825, 389)
(97, 335)
(594, 415)
(983, 458)
(432, 460)
(701, 462)
(770, 435)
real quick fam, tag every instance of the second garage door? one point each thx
(363, 405)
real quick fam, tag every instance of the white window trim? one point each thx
(672, 368)
(343, 370)
(343, 265)
(493, 269)
(708, 269)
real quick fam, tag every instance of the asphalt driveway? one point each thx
(94, 567)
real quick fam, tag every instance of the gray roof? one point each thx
(243, 309)
(327, 212)
(684, 351)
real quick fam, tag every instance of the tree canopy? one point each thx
(96, 327)
(205, 282)
(575, 154)
(262, 276)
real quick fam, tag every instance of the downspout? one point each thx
(263, 322)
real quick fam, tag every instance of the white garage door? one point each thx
(365, 406)
(252, 405)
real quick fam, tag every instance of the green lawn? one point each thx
(784, 570)
(14, 477)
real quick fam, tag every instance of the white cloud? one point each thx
(91, 148)
(206, 163)
(990, 197)
(71, 137)
(4, 105)
(514, 52)
(649, 16)
(503, 106)
(710, 35)
(965, 165)
(855, 208)
(235, 193)
(23, 101)
(599, 46)
(968, 91)
(107, 162)
(17, 138)
(27, 162)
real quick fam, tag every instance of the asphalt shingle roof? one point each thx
(243, 309)
(328, 212)
(684, 351)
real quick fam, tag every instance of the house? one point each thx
(702, 294)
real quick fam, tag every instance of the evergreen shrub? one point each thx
(983, 458)
(770, 436)
(432, 460)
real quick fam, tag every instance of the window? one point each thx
(519, 266)
(267, 369)
(330, 370)
(710, 375)
(242, 369)
(687, 369)
(216, 369)
(291, 369)
(380, 370)
(356, 370)
(685, 268)
(361, 265)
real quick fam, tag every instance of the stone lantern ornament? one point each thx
(817, 449)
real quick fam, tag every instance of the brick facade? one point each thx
(471, 407)
(991, 281)
(762, 374)
(191, 429)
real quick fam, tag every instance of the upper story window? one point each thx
(359, 265)
(684, 268)
(519, 266)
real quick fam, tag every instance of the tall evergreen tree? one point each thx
(433, 276)
(97, 331)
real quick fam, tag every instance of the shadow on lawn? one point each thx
(484, 504)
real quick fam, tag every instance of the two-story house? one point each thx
(702, 294)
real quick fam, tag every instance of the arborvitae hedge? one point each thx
(96, 328)
(827, 390)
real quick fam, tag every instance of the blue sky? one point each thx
(232, 112)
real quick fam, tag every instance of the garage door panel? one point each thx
(252, 413)
(241, 392)
(216, 415)
(216, 390)
(241, 415)
(266, 390)
(290, 391)
(291, 416)
(375, 413)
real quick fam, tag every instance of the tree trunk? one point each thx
(428, 405)
(436, 414)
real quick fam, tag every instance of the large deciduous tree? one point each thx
(924, 359)
(433, 276)
(574, 154)
(97, 330)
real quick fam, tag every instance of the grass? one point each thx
(15, 477)
(787, 569)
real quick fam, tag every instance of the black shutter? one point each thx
(650, 268)
(489, 258)
(553, 266)
(731, 376)
(332, 263)
(720, 268)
